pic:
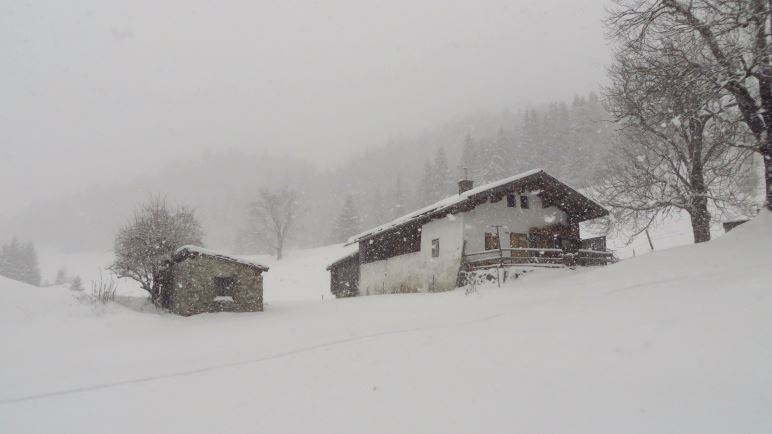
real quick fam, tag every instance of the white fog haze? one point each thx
(385, 216)
(86, 82)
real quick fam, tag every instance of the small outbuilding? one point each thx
(731, 224)
(198, 280)
(344, 275)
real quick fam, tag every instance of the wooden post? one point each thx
(501, 256)
(648, 237)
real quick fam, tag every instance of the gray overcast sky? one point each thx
(102, 90)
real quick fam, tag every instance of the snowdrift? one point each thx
(675, 341)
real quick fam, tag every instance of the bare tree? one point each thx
(734, 45)
(273, 215)
(143, 245)
(677, 148)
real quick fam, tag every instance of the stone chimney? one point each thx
(465, 184)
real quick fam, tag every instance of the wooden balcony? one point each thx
(589, 255)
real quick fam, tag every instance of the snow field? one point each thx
(675, 341)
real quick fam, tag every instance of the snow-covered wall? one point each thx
(419, 271)
(398, 274)
(481, 219)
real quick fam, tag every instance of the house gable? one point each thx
(548, 189)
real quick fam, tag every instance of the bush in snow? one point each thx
(149, 239)
(103, 290)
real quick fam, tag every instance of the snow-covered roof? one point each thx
(351, 255)
(444, 205)
(190, 250)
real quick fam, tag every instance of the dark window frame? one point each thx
(436, 248)
(511, 201)
(524, 202)
(223, 286)
(491, 240)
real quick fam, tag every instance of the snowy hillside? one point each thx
(301, 275)
(675, 341)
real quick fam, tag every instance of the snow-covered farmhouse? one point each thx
(198, 280)
(530, 219)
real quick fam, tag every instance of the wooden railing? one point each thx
(596, 244)
(535, 257)
(585, 257)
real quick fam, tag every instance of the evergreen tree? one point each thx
(347, 223)
(20, 262)
(76, 284)
(426, 189)
(468, 159)
(61, 277)
(30, 270)
(399, 205)
(379, 211)
(440, 176)
(497, 158)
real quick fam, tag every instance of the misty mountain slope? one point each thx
(384, 181)
(220, 185)
(673, 341)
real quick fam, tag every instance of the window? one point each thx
(491, 241)
(435, 248)
(524, 202)
(518, 241)
(223, 286)
(511, 200)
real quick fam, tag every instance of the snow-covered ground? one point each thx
(675, 341)
(671, 231)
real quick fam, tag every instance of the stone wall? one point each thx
(194, 290)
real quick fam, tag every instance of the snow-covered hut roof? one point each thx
(190, 251)
(584, 208)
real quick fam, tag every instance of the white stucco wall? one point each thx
(441, 272)
(419, 271)
(481, 219)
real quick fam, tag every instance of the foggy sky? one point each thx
(97, 91)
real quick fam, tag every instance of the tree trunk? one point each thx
(766, 155)
(700, 222)
(698, 210)
(155, 292)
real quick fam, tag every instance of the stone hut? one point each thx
(198, 280)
